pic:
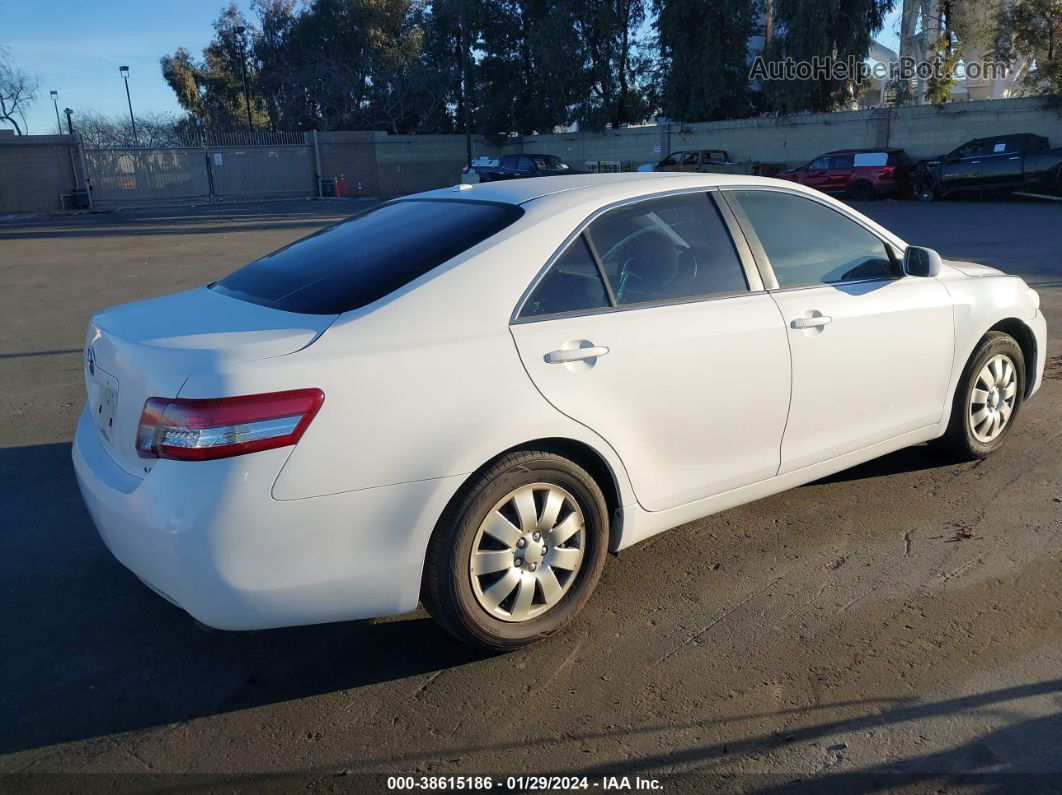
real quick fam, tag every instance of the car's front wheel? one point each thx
(987, 399)
(518, 551)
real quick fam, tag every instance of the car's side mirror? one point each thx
(918, 261)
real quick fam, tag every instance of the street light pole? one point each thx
(55, 101)
(464, 87)
(243, 69)
(124, 72)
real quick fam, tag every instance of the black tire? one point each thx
(862, 192)
(959, 440)
(925, 191)
(447, 591)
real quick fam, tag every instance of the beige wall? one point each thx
(923, 131)
(34, 171)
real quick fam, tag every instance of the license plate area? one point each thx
(103, 402)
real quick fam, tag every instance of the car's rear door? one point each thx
(650, 329)
(1001, 162)
(871, 348)
(839, 178)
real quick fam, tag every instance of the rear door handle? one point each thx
(811, 322)
(575, 354)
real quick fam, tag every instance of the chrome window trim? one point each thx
(770, 278)
(581, 228)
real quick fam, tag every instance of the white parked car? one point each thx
(466, 397)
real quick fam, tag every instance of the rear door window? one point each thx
(572, 283)
(666, 249)
(840, 162)
(871, 159)
(361, 260)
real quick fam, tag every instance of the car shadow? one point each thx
(919, 458)
(88, 650)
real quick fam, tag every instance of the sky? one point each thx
(76, 47)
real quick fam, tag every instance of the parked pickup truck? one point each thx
(1004, 163)
(701, 161)
(526, 165)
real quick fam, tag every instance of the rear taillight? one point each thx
(201, 430)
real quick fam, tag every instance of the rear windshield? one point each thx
(358, 261)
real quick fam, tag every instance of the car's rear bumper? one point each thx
(210, 538)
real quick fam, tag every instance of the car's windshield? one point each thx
(356, 262)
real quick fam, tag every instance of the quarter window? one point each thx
(665, 249)
(573, 283)
(808, 243)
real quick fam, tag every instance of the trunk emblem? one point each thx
(90, 360)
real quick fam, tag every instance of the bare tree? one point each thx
(18, 90)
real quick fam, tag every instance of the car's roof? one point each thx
(589, 187)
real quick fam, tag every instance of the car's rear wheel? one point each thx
(862, 192)
(518, 551)
(987, 399)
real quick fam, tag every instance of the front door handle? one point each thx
(575, 354)
(811, 322)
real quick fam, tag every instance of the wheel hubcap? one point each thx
(992, 398)
(527, 551)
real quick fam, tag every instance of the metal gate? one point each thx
(190, 175)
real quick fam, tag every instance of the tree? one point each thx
(116, 132)
(704, 58)
(1031, 30)
(18, 90)
(212, 90)
(803, 30)
(617, 64)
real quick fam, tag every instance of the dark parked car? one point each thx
(1005, 163)
(526, 165)
(860, 174)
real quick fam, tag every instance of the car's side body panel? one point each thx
(693, 396)
(879, 369)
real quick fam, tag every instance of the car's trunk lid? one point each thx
(149, 348)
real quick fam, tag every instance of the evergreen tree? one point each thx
(704, 58)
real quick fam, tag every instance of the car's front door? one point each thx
(871, 348)
(672, 358)
(817, 173)
(961, 170)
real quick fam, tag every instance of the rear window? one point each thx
(358, 261)
(871, 159)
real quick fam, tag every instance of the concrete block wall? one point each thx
(351, 155)
(412, 163)
(35, 170)
(923, 131)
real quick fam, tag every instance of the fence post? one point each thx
(317, 163)
(84, 169)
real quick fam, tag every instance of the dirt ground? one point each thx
(843, 635)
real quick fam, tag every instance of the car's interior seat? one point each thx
(651, 268)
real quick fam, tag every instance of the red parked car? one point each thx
(859, 174)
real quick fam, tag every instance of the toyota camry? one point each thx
(467, 397)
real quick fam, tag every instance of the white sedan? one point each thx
(468, 396)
